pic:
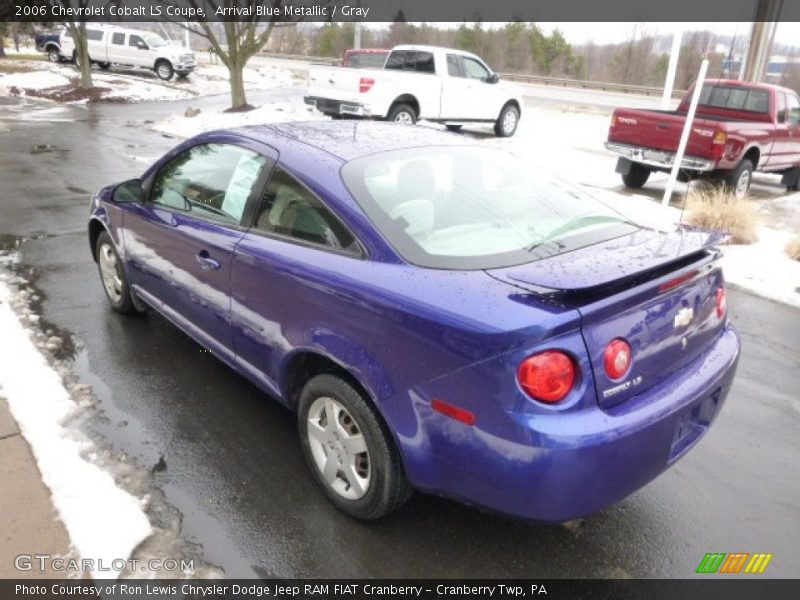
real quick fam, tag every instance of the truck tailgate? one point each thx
(660, 130)
(336, 83)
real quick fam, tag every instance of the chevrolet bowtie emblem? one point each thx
(684, 317)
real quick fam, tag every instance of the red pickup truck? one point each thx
(739, 127)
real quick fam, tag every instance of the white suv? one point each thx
(116, 45)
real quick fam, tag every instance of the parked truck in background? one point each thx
(740, 127)
(56, 44)
(419, 82)
(116, 45)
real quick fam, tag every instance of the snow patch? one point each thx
(764, 268)
(274, 112)
(103, 521)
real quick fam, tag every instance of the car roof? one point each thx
(426, 48)
(351, 139)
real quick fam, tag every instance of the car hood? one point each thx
(613, 260)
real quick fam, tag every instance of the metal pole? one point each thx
(687, 127)
(186, 36)
(669, 83)
(357, 36)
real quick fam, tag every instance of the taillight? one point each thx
(721, 302)
(365, 84)
(617, 358)
(718, 144)
(547, 376)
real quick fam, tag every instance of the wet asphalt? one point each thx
(228, 457)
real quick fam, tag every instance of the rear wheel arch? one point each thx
(753, 154)
(408, 99)
(306, 364)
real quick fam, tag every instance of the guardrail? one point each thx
(605, 86)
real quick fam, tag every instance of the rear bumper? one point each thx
(330, 106)
(659, 159)
(561, 466)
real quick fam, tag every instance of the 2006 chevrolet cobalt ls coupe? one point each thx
(440, 315)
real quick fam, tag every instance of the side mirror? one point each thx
(142, 46)
(129, 191)
(493, 78)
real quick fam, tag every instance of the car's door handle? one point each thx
(206, 262)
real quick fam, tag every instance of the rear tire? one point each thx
(403, 114)
(164, 70)
(53, 55)
(636, 177)
(104, 65)
(738, 180)
(507, 122)
(352, 456)
(112, 275)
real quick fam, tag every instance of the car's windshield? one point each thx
(153, 40)
(465, 207)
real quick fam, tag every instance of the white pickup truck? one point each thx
(115, 45)
(419, 82)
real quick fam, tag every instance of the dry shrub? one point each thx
(793, 248)
(718, 209)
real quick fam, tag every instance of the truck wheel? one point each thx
(454, 128)
(403, 114)
(738, 180)
(53, 55)
(507, 122)
(164, 70)
(636, 177)
(104, 65)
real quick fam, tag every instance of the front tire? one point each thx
(403, 114)
(112, 275)
(164, 70)
(454, 128)
(507, 122)
(636, 177)
(739, 179)
(349, 449)
(104, 65)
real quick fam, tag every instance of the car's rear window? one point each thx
(373, 60)
(735, 98)
(470, 207)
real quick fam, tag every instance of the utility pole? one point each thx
(763, 33)
(669, 83)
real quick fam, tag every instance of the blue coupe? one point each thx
(441, 315)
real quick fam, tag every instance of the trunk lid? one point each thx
(661, 130)
(656, 291)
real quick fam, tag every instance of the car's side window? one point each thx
(455, 68)
(292, 210)
(118, 39)
(94, 34)
(475, 70)
(793, 109)
(136, 41)
(781, 107)
(210, 181)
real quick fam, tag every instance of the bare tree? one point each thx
(241, 40)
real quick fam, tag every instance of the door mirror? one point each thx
(142, 46)
(129, 191)
(493, 78)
